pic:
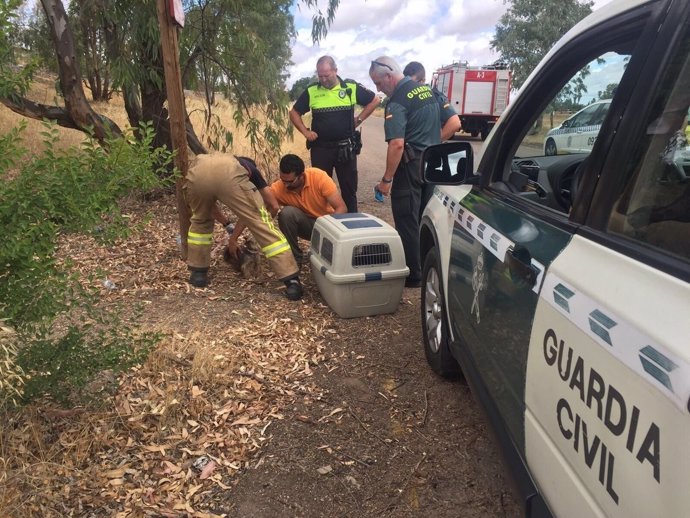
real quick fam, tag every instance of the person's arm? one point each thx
(270, 200)
(393, 156)
(232, 246)
(368, 110)
(450, 127)
(236, 232)
(336, 201)
(296, 119)
(218, 215)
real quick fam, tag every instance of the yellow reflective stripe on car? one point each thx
(199, 239)
(276, 248)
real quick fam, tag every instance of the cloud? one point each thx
(434, 32)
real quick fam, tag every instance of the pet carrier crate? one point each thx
(358, 264)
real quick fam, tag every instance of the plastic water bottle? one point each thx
(108, 284)
(378, 195)
(178, 240)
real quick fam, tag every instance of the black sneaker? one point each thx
(293, 291)
(413, 283)
(198, 279)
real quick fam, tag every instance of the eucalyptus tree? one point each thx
(527, 31)
(238, 48)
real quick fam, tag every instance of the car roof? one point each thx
(602, 101)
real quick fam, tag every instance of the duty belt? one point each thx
(330, 143)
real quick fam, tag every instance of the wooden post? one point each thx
(176, 111)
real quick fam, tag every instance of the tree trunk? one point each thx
(76, 105)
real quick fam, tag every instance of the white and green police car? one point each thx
(560, 285)
(578, 133)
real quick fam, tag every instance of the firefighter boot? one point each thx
(293, 289)
(198, 277)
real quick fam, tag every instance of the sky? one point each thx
(433, 32)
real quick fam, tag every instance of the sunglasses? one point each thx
(378, 63)
(290, 182)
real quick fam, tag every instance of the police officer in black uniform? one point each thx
(331, 137)
(412, 122)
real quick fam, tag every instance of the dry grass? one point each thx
(43, 91)
(537, 139)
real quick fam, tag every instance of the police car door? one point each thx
(514, 227)
(582, 129)
(608, 378)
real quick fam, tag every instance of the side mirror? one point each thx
(450, 163)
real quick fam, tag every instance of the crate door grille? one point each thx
(315, 241)
(327, 250)
(373, 254)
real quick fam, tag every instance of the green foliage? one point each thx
(321, 22)
(529, 28)
(300, 86)
(58, 191)
(608, 91)
(13, 80)
(43, 196)
(60, 366)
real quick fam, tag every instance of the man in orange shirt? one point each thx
(305, 195)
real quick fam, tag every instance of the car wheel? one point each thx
(475, 133)
(434, 321)
(484, 134)
(550, 148)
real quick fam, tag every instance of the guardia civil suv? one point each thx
(559, 286)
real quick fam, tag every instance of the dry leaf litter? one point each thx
(178, 429)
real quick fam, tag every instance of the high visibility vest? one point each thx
(333, 110)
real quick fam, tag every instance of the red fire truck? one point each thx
(478, 94)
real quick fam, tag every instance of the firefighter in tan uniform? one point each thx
(224, 178)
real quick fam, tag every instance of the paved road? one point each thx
(372, 160)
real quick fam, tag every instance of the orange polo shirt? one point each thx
(312, 198)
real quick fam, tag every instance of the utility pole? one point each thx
(176, 109)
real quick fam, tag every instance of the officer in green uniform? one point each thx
(450, 121)
(331, 138)
(412, 122)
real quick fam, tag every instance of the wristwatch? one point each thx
(383, 179)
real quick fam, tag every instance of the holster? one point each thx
(409, 154)
(345, 151)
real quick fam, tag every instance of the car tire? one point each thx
(550, 148)
(434, 319)
(475, 134)
(484, 133)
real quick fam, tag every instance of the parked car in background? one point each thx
(559, 286)
(578, 133)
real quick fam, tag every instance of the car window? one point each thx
(596, 81)
(585, 116)
(654, 206)
(600, 114)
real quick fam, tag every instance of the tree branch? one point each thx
(57, 114)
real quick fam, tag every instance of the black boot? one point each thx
(293, 289)
(199, 277)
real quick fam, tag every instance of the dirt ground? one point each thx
(303, 413)
(380, 436)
